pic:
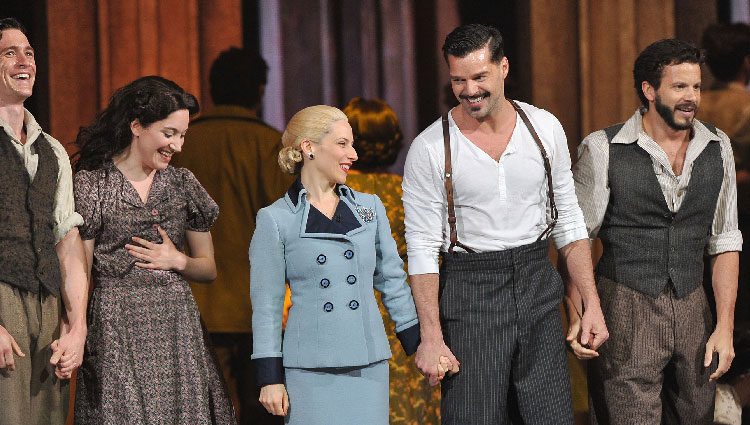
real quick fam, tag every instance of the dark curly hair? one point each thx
(377, 133)
(471, 37)
(236, 76)
(651, 62)
(147, 99)
(726, 47)
(11, 24)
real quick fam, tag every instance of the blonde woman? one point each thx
(334, 246)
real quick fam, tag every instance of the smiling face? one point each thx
(679, 95)
(478, 83)
(17, 67)
(335, 153)
(155, 144)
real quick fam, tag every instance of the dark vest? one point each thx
(28, 259)
(645, 245)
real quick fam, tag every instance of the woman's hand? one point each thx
(157, 256)
(275, 399)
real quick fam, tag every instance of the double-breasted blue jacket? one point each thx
(332, 267)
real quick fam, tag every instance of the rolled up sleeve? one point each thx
(63, 211)
(570, 223)
(725, 235)
(424, 208)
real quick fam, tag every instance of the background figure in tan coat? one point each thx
(233, 153)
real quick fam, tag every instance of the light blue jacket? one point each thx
(332, 267)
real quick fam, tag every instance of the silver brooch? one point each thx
(367, 214)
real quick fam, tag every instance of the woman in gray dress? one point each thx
(146, 360)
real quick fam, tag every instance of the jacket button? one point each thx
(155, 226)
(39, 250)
(328, 307)
(321, 259)
(325, 282)
(351, 279)
(353, 304)
(348, 254)
(154, 211)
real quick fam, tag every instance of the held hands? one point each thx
(275, 399)
(155, 256)
(67, 350)
(585, 334)
(721, 342)
(434, 360)
(8, 347)
(574, 332)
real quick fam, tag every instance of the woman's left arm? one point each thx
(199, 266)
(390, 281)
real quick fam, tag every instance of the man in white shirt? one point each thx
(497, 293)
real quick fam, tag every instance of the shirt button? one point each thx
(321, 259)
(679, 193)
(351, 279)
(154, 211)
(328, 307)
(353, 304)
(348, 254)
(325, 283)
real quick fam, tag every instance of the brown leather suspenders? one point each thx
(449, 180)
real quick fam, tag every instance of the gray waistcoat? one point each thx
(645, 245)
(28, 259)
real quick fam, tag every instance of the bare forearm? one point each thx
(577, 270)
(74, 271)
(724, 271)
(424, 289)
(200, 269)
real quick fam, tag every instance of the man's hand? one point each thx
(574, 332)
(720, 342)
(67, 351)
(275, 399)
(8, 347)
(434, 360)
(593, 328)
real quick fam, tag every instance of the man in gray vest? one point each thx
(43, 281)
(659, 191)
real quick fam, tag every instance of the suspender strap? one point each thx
(449, 180)
(449, 189)
(547, 170)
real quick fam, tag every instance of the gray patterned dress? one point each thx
(146, 359)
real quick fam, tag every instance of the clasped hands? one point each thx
(585, 333)
(435, 360)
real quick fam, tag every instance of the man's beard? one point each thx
(667, 114)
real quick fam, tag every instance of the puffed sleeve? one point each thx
(86, 193)
(202, 210)
(267, 289)
(390, 281)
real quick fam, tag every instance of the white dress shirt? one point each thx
(499, 204)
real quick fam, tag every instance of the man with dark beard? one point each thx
(488, 186)
(659, 191)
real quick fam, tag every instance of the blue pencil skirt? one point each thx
(333, 396)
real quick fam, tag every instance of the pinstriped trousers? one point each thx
(500, 318)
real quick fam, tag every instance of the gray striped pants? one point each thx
(500, 317)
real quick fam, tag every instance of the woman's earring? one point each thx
(310, 155)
